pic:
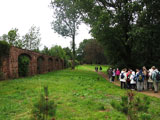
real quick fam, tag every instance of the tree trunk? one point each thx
(73, 47)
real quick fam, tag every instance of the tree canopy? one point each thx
(128, 30)
(67, 20)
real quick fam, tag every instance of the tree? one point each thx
(12, 38)
(31, 40)
(92, 52)
(45, 50)
(4, 37)
(111, 22)
(68, 53)
(145, 34)
(56, 51)
(80, 50)
(128, 30)
(67, 20)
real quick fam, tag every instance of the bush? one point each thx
(4, 51)
(23, 65)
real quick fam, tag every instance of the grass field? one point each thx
(80, 95)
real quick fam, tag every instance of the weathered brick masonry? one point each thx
(10, 63)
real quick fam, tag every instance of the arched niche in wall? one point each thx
(23, 64)
(40, 65)
(50, 64)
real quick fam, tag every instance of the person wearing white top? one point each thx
(150, 81)
(123, 78)
(133, 82)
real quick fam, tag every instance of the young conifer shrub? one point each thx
(133, 107)
(44, 109)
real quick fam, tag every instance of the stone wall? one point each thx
(10, 63)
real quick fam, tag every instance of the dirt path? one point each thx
(149, 93)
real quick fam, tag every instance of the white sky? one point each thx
(22, 14)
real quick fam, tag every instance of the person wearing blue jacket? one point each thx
(140, 79)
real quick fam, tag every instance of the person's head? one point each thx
(133, 73)
(117, 69)
(153, 67)
(144, 68)
(137, 70)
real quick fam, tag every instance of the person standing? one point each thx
(128, 78)
(155, 76)
(150, 81)
(113, 75)
(133, 81)
(123, 78)
(140, 80)
(110, 74)
(117, 74)
(145, 72)
(100, 68)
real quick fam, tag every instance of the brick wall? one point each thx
(47, 64)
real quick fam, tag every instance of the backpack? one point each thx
(135, 78)
(128, 77)
(158, 76)
(122, 76)
(140, 78)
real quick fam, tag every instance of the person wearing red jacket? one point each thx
(128, 78)
(117, 74)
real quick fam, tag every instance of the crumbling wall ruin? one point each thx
(10, 63)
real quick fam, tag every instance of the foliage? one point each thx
(58, 51)
(80, 50)
(132, 106)
(12, 38)
(4, 48)
(128, 29)
(31, 40)
(68, 52)
(91, 52)
(23, 65)
(44, 108)
(67, 20)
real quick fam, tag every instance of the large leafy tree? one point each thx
(91, 51)
(128, 29)
(145, 34)
(67, 20)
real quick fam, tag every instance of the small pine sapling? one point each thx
(44, 109)
(133, 107)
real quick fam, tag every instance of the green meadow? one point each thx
(80, 94)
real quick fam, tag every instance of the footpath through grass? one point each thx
(80, 95)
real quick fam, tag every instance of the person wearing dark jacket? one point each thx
(140, 80)
(110, 72)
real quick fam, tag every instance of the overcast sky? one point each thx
(22, 14)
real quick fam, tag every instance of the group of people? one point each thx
(138, 80)
(96, 68)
